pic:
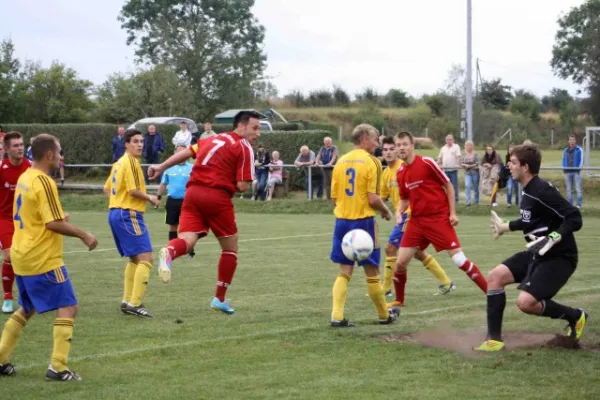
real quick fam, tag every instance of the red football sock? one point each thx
(400, 285)
(8, 279)
(177, 248)
(227, 266)
(475, 274)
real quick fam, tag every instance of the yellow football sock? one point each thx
(340, 291)
(377, 295)
(140, 283)
(388, 273)
(129, 278)
(434, 267)
(12, 330)
(62, 334)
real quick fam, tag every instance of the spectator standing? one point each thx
(307, 158)
(378, 152)
(118, 145)
(327, 157)
(28, 153)
(511, 184)
(154, 147)
(573, 158)
(490, 170)
(262, 159)
(449, 160)
(275, 174)
(470, 162)
(183, 137)
(208, 131)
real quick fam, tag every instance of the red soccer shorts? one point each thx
(205, 208)
(421, 232)
(7, 229)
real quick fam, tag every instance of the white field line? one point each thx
(254, 335)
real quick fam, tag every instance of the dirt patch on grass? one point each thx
(464, 341)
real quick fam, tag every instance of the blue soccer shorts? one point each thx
(398, 231)
(129, 231)
(46, 292)
(343, 226)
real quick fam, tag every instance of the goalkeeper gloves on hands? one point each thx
(499, 226)
(541, 245)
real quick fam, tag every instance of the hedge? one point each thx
(91, 143)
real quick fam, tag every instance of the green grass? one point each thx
(279, 344)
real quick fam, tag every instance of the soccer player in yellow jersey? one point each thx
(389, 190)
(127, 195)
(37, 259)
(355, 191)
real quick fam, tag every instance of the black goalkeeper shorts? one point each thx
(548, 274)
(173, 208)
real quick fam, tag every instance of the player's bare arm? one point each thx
(377, 203)
(451, 203)
(175, 159)
(138, 194)
(64, 228)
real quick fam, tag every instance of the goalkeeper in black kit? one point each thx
(548, 222)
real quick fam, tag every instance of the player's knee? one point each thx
(390, 250)
(527, 303)
(459, 259)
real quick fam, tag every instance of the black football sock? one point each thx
(555, 310)
(172, 235)
(496, 302)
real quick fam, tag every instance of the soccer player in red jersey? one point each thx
(430, 194)
(11, 169)
(224, 164)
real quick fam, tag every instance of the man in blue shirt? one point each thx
(573, 158)
(326, 158)
(174, 180)
(118, 145)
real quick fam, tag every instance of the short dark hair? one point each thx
(130, 133)
(261, 146)
(572, 135)
(10, 136)
(529, 154)
(43, 143)
(243, 117)
(407, 134)
(388, 140)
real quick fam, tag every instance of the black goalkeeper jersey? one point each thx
(543, 211)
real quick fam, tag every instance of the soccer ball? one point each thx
(357, 245)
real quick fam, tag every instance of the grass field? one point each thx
(279, 344)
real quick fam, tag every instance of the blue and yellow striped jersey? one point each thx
(35, 249)
(126, 175)
(355, 175)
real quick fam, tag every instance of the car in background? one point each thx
(265, 126)
(192, 127)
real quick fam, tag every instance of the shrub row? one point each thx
(91, 143)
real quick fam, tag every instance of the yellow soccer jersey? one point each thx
(355, 175)
(36, 250)
(126, 175)
(389, 185)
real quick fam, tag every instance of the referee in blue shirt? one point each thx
(174, 181)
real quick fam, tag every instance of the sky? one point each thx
(315, 44)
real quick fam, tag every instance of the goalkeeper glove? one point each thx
(541, 245)
(499, 226)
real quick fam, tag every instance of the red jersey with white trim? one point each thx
(9, 175)
(421, 184)
(222, 161)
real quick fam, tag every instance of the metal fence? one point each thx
(589, 172)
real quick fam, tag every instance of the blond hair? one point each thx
(361, 131)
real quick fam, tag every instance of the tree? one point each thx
(576, 52)
(568, 115)
(148, 93)
(320, 98)
(456, 83)
(557, 100)
(340, 96)
(215, 45)
(54, 95)
(397, 98)
(10, 98)
(495, 95)
(526, 104)
(368, 95)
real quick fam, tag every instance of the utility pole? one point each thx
(469, 94)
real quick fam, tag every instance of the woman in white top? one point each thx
(183, 137)
(275, 174)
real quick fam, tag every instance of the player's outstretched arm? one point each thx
(175, 159)
(64, 228)
(571, 216)
(499, 226)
